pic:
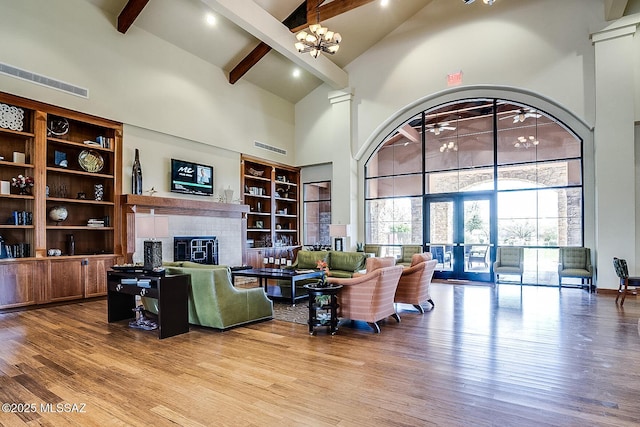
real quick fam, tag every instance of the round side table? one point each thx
(323, 307)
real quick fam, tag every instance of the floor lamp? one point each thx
(338, 232)
(152, 227)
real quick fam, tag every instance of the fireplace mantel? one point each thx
(132, 204)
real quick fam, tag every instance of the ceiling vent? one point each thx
(269, 147)
(43, 80)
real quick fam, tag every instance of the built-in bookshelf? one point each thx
(272, 192)
(60, 232)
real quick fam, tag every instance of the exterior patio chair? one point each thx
(478, 254)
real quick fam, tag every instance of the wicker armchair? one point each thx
(369, 297)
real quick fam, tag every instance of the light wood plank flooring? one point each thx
(485, 356)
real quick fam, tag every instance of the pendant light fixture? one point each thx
(318, 39)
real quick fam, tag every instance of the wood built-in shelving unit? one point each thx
(272, 192)
(54, 142)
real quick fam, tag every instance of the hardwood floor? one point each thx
(505, 356)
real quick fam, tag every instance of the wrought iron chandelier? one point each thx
(318, 39)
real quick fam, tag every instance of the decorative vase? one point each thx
(24, 191)
(98, 192)
(136, 175)
(228, 195)
(71, 245)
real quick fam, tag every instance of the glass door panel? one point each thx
(441, 232)
(477, 235)
(460, 236)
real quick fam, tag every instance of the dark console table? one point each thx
(172, 293)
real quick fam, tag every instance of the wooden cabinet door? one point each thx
(255, 257)
(66, 279)
(17, 284)
(95, 280)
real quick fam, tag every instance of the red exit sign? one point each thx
(454, 79)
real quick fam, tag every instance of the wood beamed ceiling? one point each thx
(311, 11)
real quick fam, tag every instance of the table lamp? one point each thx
(152, 227)
(339, 232)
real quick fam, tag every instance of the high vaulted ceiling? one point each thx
(240, 26)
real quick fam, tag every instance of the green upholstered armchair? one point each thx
(509, 260)
(214, 301)
(407, 251)
(575, 262)
(372, 249)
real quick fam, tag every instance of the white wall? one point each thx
(517, 44)
(157, 150)
(137, 79)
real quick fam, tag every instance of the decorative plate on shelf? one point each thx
(90, 161)
(11, 117)
(58, 126)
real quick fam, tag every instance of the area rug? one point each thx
(296, 314)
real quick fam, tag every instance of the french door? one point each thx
(460, 234)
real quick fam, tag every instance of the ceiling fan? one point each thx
(436, 128)
(523, 114)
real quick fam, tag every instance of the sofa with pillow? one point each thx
(340, 264)
(213, 300)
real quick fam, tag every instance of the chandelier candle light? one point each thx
(318, 39)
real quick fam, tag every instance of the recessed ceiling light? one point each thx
(296, 72)
(384, 3)
(211, 20)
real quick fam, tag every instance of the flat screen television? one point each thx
(191, 178)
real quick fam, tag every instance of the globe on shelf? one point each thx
(58, 214)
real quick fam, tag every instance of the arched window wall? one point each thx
(528, 162)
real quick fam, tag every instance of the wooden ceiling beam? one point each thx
(410, 133)
(329, 10)
(295, 18)
(248, 61)
(129, 13)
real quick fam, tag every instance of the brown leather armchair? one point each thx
(369, 297)
(413, 287)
